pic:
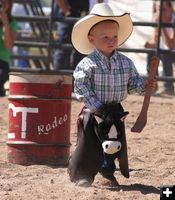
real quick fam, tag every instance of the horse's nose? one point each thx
(111, 147)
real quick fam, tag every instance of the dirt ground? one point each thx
(151, 160)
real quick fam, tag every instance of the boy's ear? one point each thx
(91, 39)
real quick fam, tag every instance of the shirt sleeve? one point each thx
(83, 87)
(135, 83)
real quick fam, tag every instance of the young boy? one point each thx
(105, 75)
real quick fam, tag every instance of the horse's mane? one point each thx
(113, 109)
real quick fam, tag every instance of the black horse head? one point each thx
(109, 126)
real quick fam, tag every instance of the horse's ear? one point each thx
(98, 119)
(124, 116)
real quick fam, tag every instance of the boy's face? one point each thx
(104, 36)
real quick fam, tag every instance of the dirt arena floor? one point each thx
(151, 160)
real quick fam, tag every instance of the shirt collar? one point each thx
(103, 57)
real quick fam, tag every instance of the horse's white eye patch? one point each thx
(98, 119)
(113, 132)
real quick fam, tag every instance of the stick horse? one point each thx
(101, 139)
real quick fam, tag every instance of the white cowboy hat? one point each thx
(100, 12)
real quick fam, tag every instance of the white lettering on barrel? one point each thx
(65, 118)
(24, 111)
(45, 128)
(54, 123)
(40, 129)
(48, 127)
(60, 121)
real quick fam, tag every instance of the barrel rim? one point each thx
(30, 143)
(42, 72)
(32, 97)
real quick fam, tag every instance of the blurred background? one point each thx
(37, 32)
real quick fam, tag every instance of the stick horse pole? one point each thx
(142, 118)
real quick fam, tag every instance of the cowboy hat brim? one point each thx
(81, 29)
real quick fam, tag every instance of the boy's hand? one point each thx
(151, 84)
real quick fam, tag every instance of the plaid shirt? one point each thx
(98, 80)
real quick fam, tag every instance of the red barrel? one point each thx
(39, 118)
